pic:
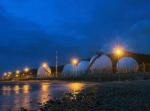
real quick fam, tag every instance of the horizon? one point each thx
(32, 30)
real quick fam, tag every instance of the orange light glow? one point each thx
(44, 65)
(26, 88)
(76, 87)
(17, 72)
(74, 61)
(118, 51)
(17, 75)
(16, 89)
(26, 70)
(45, 87)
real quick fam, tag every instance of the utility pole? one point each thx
(56, 67)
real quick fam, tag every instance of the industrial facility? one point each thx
(120, 61)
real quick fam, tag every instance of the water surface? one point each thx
(30, 95)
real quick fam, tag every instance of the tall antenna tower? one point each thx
(56, 67)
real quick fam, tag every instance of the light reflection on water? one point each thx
(13, 96)
(26, 88)
(76, 87)
(44, 92)
(16, 89)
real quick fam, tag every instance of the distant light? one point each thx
(44, 65)
(26, 69)
(9, 74)
(118, 51)
(5, 74)
(74, 61)
(17, 75)
(17, 71)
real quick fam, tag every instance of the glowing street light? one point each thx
(44, 65)
(5, 74)
(17, 75)
(26, 70)
(74, 61)
(17, 71)
(9, 74)
(118, 51)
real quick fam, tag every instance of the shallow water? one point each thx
(29, 95)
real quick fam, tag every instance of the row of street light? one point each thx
(17, 72)
(118, 51)
(24, 72)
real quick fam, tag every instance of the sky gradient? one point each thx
(32, 30)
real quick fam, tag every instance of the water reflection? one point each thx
(44, 87)
(6, 90)
(76, 87)
(44, 92)
(16, 89)
(26, 88)
(13, 96)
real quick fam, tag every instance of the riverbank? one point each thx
(112, 96)
(89, 77)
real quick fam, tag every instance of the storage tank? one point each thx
(92, 59)
(127, 64)
(82, 67)
(44, 71)
(102, 64)
(69, 70)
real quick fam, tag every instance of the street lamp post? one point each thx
(44, 65)
(26, 72)
(17, 73)
(118, 52)
(74, 62)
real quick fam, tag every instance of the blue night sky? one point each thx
(32, 30)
